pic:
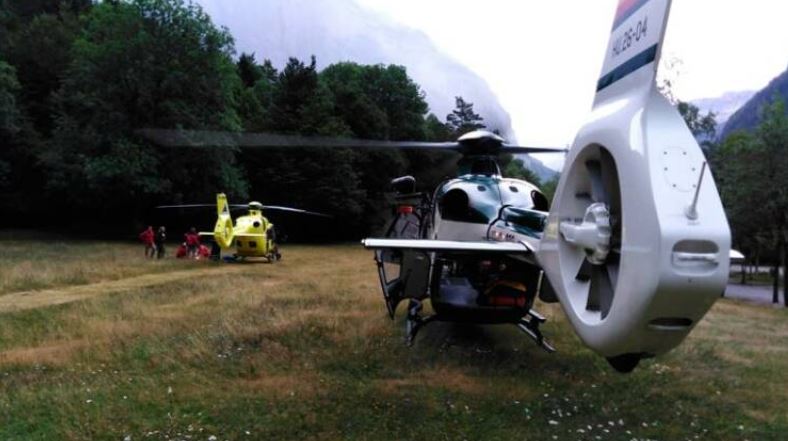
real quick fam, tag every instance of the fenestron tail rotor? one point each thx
(599, 269)
(596, 238)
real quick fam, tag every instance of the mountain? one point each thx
(748, 116)
(723, 106)
(544, 172)
(341, 30)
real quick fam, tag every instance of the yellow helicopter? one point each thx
(252, 235)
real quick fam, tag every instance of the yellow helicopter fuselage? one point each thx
(251, 235)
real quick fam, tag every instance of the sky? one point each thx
(542, 58)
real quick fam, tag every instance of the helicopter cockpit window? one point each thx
(540, 201)
(455, 206)
(484, 166)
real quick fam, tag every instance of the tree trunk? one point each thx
(785, 274)
(744, 271)
(776, 280)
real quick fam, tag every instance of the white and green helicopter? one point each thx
(636, 244)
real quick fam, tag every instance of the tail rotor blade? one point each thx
(584, 273)
(597, 185)
(605, 290)
(594, 295)
(610, 182)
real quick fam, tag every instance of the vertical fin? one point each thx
(634, 48)
(223, 231)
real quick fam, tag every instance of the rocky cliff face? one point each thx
(341, 30)
(748, 116)
(723, 106)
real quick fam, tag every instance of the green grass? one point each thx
(303, 349)
(32, 264)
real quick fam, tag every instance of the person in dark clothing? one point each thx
(161, 236)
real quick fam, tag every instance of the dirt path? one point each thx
(22, 300)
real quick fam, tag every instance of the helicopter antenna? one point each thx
(692, 210)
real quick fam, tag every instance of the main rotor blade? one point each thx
(206, 138)
(295, 210)
(188, 206)
(233, 207)
(522, 149)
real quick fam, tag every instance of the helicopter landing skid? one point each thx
(528, 324)
(415, 321)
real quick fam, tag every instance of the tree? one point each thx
(256, 97)
(772, 133)
(703, 127)
(737, 167)
(463, 119)
(752, 172)
(141, 64)
(9, 117)
(548, 188)
(435, 130)
(353, 102)
(40, 51)
(9, 88)
(248, 70)
(515, 168)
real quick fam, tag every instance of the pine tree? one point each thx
(463, 119)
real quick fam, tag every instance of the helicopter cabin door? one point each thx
(404, 274)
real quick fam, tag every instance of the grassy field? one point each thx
(303, 350)
(27, 263)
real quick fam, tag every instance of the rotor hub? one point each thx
(593, 234)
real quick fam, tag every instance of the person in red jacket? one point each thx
(147, 237)
(193, 242)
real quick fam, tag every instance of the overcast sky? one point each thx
(543, 57)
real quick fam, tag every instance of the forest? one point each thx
(79, 79)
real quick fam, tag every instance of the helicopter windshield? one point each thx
(476, 165)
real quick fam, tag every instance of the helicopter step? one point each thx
(530, 325)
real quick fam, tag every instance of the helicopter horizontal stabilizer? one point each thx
(449, 246)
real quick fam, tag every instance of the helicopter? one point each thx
(251, 236)
(635, 245)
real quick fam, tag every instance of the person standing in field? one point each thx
(148, 240)
(193, 242)
(161, 236)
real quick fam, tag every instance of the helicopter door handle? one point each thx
(695, 262)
